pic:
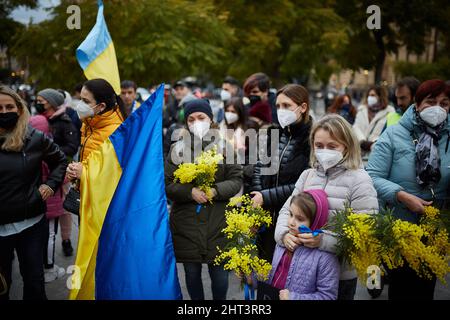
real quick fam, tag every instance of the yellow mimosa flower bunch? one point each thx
(244, 218)
(244, 261)
(201, 173)
(376, 239)
(241, 254)
(358, 241)
(422, 257)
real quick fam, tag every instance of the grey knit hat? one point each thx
(54, 97)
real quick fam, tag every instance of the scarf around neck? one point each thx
(428, 162)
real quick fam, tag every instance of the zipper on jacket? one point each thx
(281, 157)
(326, 182)
(448, 140)
(25, 200)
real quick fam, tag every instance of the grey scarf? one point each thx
(428, 162)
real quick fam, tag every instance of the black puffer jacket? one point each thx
(65, 134)
(294, 152)
(20, 177)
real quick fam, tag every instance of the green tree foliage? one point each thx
(155, 41)
(424, 70)
(403, 23)
(283, 38)
(159, 41)
(8, 26)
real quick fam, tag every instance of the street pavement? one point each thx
(57, 290)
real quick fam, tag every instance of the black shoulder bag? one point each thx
(72, 201)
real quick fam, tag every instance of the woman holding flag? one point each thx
(102, 112)
(197, 233)
(105, 270)
(123, 207)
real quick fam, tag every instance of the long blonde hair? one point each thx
(340, 130)
(15, 139)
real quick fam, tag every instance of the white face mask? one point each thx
(231, 117)
(328, 158)
(434, 115)
(200, 128)
(286, 117)
(225, 95)
(371, 100)
(84, 110)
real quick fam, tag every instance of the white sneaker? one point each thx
(53, 273)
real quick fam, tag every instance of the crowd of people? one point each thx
(381, 153)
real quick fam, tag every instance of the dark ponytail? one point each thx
(122, 108)
(103, 92)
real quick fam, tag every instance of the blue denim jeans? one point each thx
(194, 284)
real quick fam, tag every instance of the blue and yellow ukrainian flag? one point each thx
(125, 248)
(96, 54)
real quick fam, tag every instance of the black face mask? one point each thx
(8, 120)
(39, 107)
(254, 100)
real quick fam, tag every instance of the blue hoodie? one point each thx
(392, 166)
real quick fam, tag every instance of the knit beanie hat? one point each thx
(261, 110)
(198, 105)
(54, 97)
(321, 200)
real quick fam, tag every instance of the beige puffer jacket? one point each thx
(341, 185)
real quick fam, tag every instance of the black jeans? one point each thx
(194, 284)
(49, 248)
(347, 289)
(405, 284)
(29, 245)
